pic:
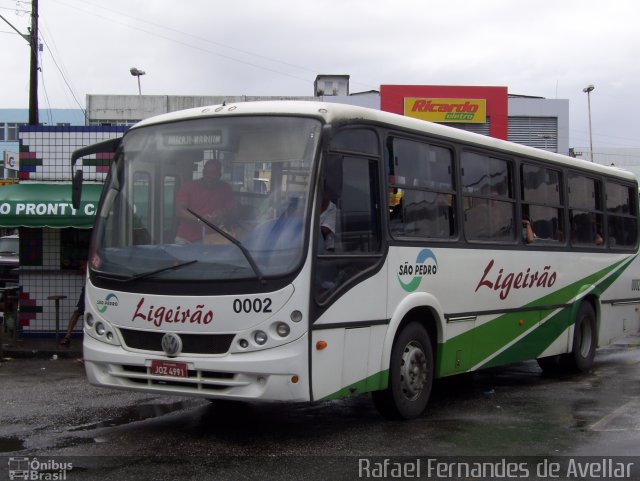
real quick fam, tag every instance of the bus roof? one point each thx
(338, 113)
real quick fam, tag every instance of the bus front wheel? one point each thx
(411, 370)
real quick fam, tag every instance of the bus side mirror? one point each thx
(106, 146)
(76, 189)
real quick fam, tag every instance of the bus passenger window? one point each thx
(542, 202)
(421, 190)
(621, 215)
(488, 201)
(585, 214)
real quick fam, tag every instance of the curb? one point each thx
(39, 354)
(31, 351)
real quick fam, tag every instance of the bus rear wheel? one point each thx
(411, 371)
(585, 340)
(583, 350)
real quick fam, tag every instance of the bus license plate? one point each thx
(168, 368)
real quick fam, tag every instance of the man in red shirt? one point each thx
(210, 198)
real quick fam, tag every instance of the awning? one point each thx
(47, 205)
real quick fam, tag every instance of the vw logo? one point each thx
(171, 344)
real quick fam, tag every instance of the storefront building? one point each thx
(54, 237)
(480, 109)
(533, 121)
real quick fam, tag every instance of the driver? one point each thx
(209, 197)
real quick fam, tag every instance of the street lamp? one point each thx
(588, 89)
(545, 138)
(136, 72)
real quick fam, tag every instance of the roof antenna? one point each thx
(224, 103)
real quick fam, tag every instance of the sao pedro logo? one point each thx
(410, 275)
(110, 300)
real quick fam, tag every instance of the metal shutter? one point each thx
(540, 132)
(475, 128)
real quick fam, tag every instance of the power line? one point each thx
(228, 57)
(64, 78)
(196, 37)
(63, 71)
(46, 96)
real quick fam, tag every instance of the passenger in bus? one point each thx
(527, 230)
(583, 229)
(599, 239)
(210, 198)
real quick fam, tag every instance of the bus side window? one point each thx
(542, 202)
(421, 194)
(586, 213)
(488, 198)
(622, 226)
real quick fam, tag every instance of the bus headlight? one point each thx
(282, 329)
(260, 337)
(100, 330)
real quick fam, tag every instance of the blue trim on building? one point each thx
(75, 128)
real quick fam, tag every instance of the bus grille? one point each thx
(191, 343)
(196, 382)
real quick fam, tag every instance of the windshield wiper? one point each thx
(156, 271)
(234, 241)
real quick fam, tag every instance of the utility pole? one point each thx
(32, 40)
(33, 69)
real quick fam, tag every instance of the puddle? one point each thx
(8, 445)
(133, 414)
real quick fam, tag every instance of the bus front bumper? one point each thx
(276, 374)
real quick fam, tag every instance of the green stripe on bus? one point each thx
(474, 347)
(534, 344)
(375, 382)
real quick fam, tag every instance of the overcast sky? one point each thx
(548, 48)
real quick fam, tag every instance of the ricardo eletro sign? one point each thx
(473, 111)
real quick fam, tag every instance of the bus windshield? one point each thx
(207, 199)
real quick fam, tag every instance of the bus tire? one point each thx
(411, 371)
(585, 340)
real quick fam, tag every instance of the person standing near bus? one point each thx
(79, 310)
(209, 197)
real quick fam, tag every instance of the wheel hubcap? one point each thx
(413, 371)
(585, 339)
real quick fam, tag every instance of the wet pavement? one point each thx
(48, 411)
(40, 347)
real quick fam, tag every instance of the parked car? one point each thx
(9, 260)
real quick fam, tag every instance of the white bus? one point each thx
(449, 252)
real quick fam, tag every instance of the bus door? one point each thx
(157, 178)
(349, 284)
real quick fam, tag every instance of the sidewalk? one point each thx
(38, 347)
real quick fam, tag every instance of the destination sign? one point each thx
(194, 139)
